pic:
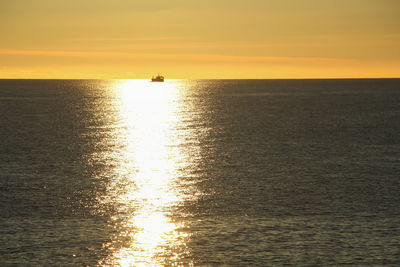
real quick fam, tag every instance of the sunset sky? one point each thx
(199, 39)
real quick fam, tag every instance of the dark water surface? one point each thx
(208, 172)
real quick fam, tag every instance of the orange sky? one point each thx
(199, 39)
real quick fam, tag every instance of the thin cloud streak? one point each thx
(163, 43)
(171, 38)
(174, 57)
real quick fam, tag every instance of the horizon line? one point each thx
(293, 78)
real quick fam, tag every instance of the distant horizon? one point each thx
(322, 78)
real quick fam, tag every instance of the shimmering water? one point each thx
(208, 172)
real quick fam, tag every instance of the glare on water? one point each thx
(146, 168)
(201, 172)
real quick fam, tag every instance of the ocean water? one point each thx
(200, 173)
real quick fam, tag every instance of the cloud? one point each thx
(169, 38)
(15, 52)
(214, 58)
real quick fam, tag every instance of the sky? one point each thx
(199, 39)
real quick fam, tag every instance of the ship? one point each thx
(158, 78)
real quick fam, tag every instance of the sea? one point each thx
(200, 172)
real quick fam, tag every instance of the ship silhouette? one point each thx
(158, 78)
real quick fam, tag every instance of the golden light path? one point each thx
(146, 172)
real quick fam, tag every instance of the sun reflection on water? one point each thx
(147, 164)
